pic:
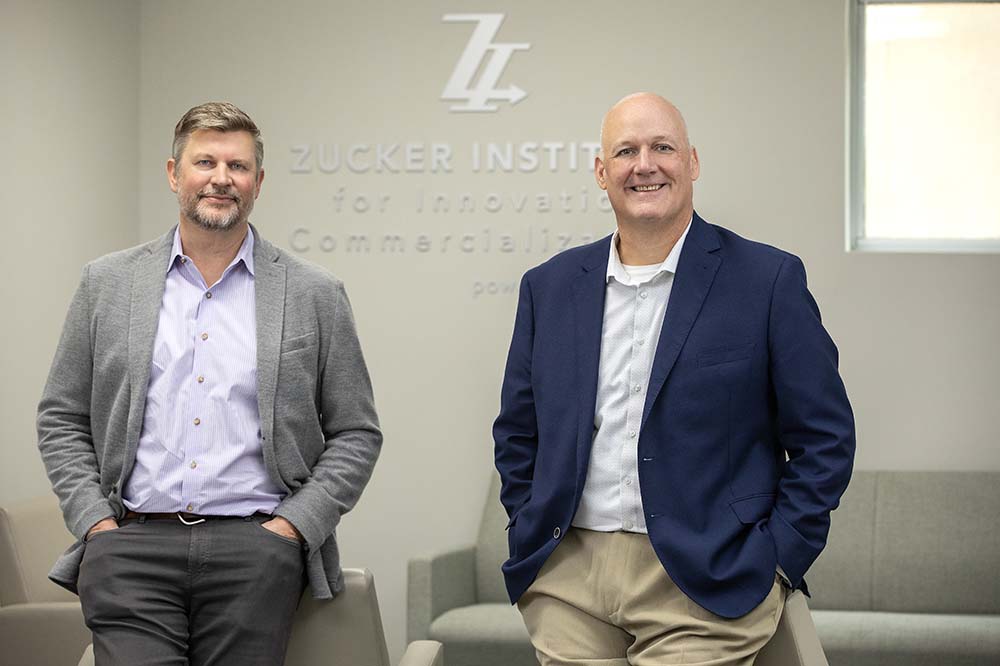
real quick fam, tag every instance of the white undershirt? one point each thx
(635, 301)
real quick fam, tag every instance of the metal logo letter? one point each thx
(482, 49)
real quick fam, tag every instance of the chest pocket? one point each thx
(298, 342)
(725, 354)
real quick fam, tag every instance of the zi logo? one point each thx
(482, 53)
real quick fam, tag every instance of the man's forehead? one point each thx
(208, 140)
(218, 136)
(642, 118)
(644, 135)
(635, 133)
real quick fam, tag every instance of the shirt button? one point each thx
(204, 336)
(556, 533)
(189, 508)
(201, 380)
(642, 342)
(631, 433)
(628, 524)
(208, 294)
(197, 421)
(628, 482)
(184, 260)
(642, 294)
(193, 464)
(638, 387)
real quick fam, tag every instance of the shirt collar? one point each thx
(617, 271)
(245, 253)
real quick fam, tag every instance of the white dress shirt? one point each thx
(634, 305)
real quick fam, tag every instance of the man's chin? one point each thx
(648, 218)
(215, 224)
(654, 216)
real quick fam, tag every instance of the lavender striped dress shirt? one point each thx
(200, 447)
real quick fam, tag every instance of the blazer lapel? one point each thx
(588, 298)
(696, 269)
(269, 290)
(148, 281)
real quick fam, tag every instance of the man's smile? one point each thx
(218, 198)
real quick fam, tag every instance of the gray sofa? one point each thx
(41, 624)
(911, 572)
(909, 576)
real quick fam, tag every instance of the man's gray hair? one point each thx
(218, 116)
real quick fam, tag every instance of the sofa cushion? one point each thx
(908, 639)
(32, 537)
(936, 542)
(841, 577)
(483, 635)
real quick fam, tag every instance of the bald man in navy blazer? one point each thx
(673, 431)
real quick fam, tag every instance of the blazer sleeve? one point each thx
(65, 439)
(351, 432)
(814, 421)
(515, 431)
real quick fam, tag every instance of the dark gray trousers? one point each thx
(219, 593)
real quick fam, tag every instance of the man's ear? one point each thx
(172, 174)
(260, 180)
(599, 173)
(695, 164)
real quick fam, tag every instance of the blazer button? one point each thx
(556, 533)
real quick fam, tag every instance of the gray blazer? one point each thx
(317, 415)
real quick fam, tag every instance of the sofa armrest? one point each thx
(423, 653)
(795, 642)
(437, 584)
(42, 633)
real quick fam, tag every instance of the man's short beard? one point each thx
(227, 221)
(214, 223)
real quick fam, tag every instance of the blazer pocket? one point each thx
(516, 513)
(727, 354)
(754, 508)
(298, 342)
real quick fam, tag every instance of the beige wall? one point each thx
(763, 88)
(68, 188)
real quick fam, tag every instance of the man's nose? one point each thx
(221, 175)
(645, 162)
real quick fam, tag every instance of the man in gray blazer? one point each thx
(207, 421)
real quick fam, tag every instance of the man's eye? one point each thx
(664, 148)
(237, 166)
(626, 151)
(204, 163)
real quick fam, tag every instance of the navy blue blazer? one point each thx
(744, 376)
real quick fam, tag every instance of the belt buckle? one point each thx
(180, 517)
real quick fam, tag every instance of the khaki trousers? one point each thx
(603, 598)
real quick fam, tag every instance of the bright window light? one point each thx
(929, 129)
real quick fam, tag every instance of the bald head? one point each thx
(647, 164)
(650, 102)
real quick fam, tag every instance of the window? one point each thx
(925, 126)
